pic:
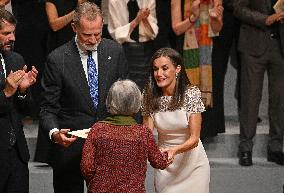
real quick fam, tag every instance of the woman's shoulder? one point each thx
(192, 91)
(101, 127)
(192, 100)
(96, 127)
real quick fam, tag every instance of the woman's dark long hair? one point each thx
(152, 93)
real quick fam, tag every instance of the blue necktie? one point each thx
(93, 79)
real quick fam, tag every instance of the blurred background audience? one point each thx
(134, 24)
(196, 22)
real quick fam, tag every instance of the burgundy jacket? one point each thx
(115, 158)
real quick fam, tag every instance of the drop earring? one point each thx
(176, 75)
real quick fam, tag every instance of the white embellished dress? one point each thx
(190, 171)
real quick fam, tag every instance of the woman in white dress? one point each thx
(173, 107)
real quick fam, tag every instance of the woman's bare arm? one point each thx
(56, 23)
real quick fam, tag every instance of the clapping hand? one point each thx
(142, 14)
(217, 11)
(12, 82)
(28, 79)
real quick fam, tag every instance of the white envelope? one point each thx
(80, 133)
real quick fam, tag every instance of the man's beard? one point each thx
(90, 48)
(3, 47)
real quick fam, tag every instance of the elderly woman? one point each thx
(116, 151)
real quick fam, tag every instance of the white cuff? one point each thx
(52, 131)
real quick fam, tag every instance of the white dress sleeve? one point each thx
(193, 101)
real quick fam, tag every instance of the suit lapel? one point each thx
(74, 60)
(9, 65)
(102, 71)
(268, 3)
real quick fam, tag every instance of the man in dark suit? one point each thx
(14, 99)
(260, 44)
(70, 101)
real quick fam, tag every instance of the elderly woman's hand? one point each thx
(171, 154)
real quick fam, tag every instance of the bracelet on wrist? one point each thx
(192, 19)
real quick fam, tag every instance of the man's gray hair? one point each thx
(124, 98)
(87, 9)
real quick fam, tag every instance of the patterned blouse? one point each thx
(115, 157)
(192, 103)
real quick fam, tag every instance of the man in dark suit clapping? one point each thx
(14, 100)
(76, 80)
(261, 44)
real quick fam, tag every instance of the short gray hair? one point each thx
(124, 98)
(87, 9)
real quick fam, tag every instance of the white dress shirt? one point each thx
(3, 65)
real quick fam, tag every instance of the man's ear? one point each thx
(74, 27)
